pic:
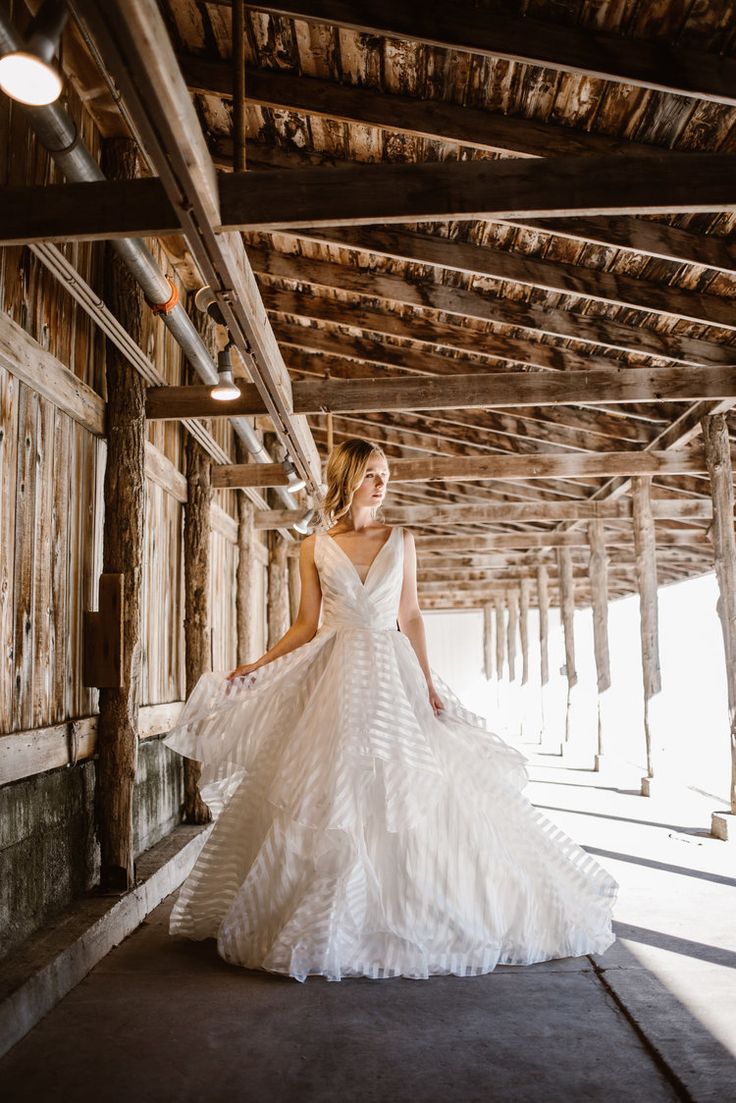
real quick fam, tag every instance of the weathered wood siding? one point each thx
(162, 673)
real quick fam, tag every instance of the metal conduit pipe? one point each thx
(58, 134)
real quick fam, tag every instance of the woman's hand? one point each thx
(242, 670)
(435, 700)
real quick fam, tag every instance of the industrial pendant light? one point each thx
(29, 76)
(226, 389)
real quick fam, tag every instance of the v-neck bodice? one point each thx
(349, 602)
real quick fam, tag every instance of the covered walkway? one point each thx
(653, 1019)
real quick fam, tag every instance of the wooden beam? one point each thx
(567, 613)
(231, 475)
(616, 537)
(421, 118)
(534, 466)
(492, 33)
(475, 342)
(498, 604)
(690, 509)
(668, 183)
(524, 592)
(500, 264)
(484, 389)
(718, 456)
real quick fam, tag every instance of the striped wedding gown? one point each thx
(358, 834)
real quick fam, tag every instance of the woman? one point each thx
(368, 824)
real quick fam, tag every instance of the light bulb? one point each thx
(296, 482)
(226, 389)
(29, 79)
(302, 525)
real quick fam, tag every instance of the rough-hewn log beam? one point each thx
(543, 603)
(524, 592)
(491, 33)
(457, 392)
(117, 738)
(718, 455)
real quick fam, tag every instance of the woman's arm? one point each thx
(305, 625)
(411, 621)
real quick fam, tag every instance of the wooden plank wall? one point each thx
(162, 673)
(51, 472)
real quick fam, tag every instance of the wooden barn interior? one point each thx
(496, 239)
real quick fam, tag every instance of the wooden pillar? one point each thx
(117, 727)
(246, 583)
(598, 574)
(278, 589)
(718, 459)
(512, 602)
(646, 572)
(197, 646)
(567, 610)
(295, 587)
(488, 640)
(526, 585)
(500, 636)
(545, 710)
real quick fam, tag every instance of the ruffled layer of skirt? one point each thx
(358, 834)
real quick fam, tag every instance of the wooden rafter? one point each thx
(491, 33)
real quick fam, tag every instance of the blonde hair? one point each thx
(345, 471)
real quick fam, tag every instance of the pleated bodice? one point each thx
(347, 602)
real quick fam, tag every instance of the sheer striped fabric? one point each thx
(358, 834)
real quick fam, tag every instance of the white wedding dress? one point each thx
(358, 834)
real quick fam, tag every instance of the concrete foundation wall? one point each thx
(48, 851)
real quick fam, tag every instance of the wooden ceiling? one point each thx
(636, 308)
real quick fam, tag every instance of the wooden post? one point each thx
(543, 605)
(512, 602)
(567, 610)
(117, 729)
(278, 590)
(598, 574)
(526, 584)
(718, 459)
(646, 573)
(197, 527)
(248, 648)
(488, 640)
(295, 587)
(500, 636)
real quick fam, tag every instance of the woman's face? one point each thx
(372, 490)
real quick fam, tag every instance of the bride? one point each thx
(367, 824)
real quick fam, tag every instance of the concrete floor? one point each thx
(653, 1019)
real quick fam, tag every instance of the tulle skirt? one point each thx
(358, 834)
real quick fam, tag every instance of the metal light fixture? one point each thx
(302, 525)
(29, 76)
(295, 481)
(226, 389)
